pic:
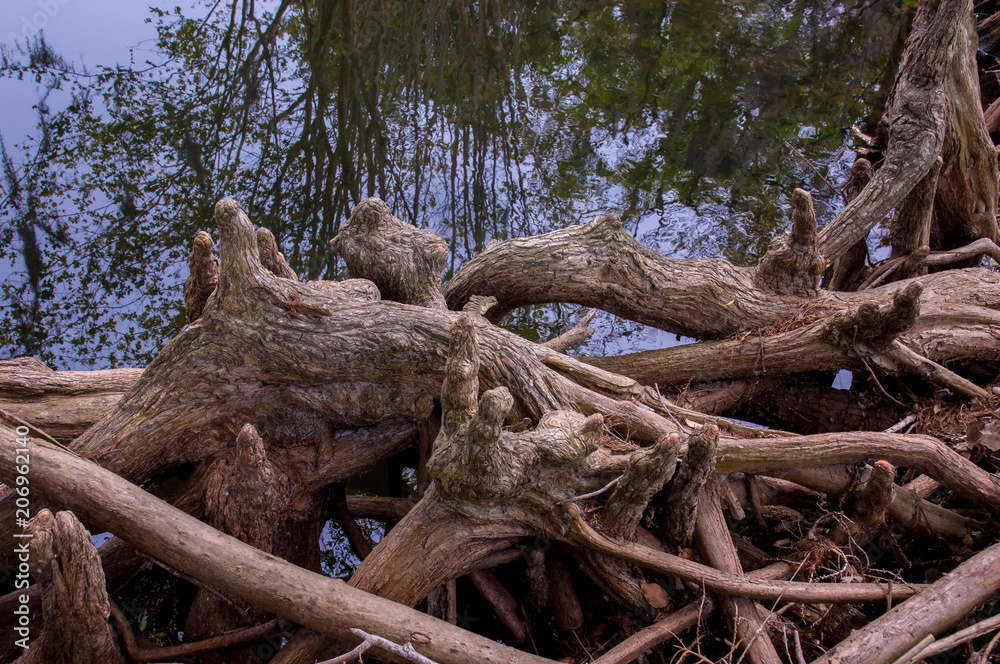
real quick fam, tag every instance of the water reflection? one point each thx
(480, 121)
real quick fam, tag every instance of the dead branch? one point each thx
(236, 568)
(663, 563)
(744, 617)
(930, 613)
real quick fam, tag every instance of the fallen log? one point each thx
(327, 605)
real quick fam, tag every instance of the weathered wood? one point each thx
(342, 512)
(378, 507)
(583, 534)
(865, 508)
(647, 471)
(933, 111)
(271, 257)
(745, 617)
(965, 203)
(246, 497)
(64, 403)
(574, 336)
(932, 612)
(404, 261)
(912, 228)
(685, 490)
(477, 468)
(75, 609)
(842, 341)
(336, 379)
(502, 602)
(598, 265)
(928, 455)
(236, 568)
(601, 266)
(203, 276)
(792, 264)
(905, 507)
(565, 602)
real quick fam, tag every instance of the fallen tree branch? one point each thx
(961, 636)
(905, 506)
(744, 616)
(139, 653)
(405, 651)
(63, 403)
(679, 621)
(574, 335)
(920, 365)
(928, 455)
(583, 534)
(931, 612)
(327, 605)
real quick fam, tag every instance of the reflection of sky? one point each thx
(106, 33)
(81, 31)
(86, 34)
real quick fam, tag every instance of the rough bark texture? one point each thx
(203, 276)
(231, 566)
(271, 257)
(247, 497)
(745, 617)
(912, 231)
(319, 382)
(792, 264)
(965, 205)
(686, 488)
(63, 403)
(75, 605)
(933, 611)
(405, 262)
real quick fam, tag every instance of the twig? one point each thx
(580, 532)
(658, 632)
(573, 336)
(961, 636)
(933, 371)
(815, 170)
(913, 654)
(592, 493)
(139, 653)
(875, 378)
(984, 655)
(902, 424)
(799, 658)
(354, 654)
(192, 580)
(373, 641)
(663, 404)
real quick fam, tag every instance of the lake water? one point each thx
(694, 121)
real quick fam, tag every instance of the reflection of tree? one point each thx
(703, 95)
(478, 119)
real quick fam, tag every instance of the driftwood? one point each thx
(230, 565)
(569, 491)
(75, 604)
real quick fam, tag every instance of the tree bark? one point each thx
(75, 606)
(232, 566)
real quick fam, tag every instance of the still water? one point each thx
(693, 120)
